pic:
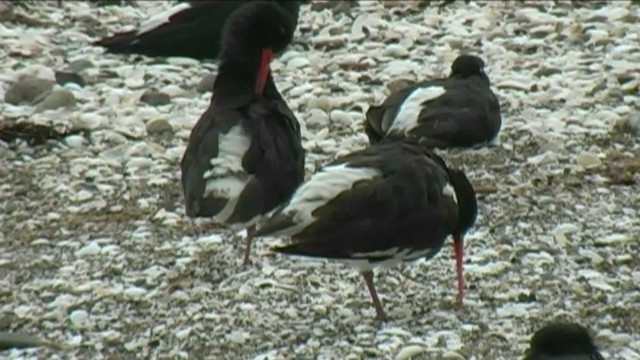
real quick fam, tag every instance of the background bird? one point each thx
(244, 155)
(562, 341)
(458, 111)
(188, 29)
(389, 203)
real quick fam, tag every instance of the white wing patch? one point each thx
(162, 18)
(394, 255)
(449, 191)
(226, 177)
(323, 186)
(407, 117)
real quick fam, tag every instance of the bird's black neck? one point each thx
(237, 79)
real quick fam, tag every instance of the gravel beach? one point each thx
(97, 255)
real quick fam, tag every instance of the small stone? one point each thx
(56, 99)
(396, 51)
(79, 65)
(206, 84)
(320, 102)
(588, 160)
(297, 63)
(408, 352)
(628, 125)
(63, 77)
(6, 11)
(155, 98)
(75, 141)
(79, 319)
(27, 89)
(452, 355)
(399, 84)
(90, 249)
(159, 127)
(317, 118)
(341, 117)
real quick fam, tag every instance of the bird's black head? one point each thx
(465, 66)
(562, 339)
(257, 26)
(466, 198)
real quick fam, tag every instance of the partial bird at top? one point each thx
(562, 341)
(245, 154)
(458, 111)
(188, 29)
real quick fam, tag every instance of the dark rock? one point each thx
(63, 77)
(155, 98)
(159, 127)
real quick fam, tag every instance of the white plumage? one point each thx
(162, 18)
(396, 256)
(226, 178)
(319, 190)
(407, 117)
(449, 191)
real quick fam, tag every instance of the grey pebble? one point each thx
(159, 127)
(6, 11)
(206, 84)
(27, 89)
(56, 99)
(155, 98)
(79, 65)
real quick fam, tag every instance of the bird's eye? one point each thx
(282, 30)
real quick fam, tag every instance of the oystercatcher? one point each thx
(394, 201)
(245, 155)
(562, 341)
(189, 29)
(458, 111)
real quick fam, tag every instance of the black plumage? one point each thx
(391, 202)
(189, 29)
(562, 341)
(458, 111)
(245, 155)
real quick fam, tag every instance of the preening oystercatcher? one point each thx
(562, 341)
(391, 202)
(189, 29)
(458, 111)
(245, 155)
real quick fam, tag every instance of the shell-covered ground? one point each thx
(97, 255)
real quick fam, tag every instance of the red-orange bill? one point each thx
(263, 70)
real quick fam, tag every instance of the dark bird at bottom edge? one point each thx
(245, 157)
(188, 29)
(392, 202)
(562, 341)
(458, 111)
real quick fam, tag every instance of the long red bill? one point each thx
(263, 70)
(458, 247)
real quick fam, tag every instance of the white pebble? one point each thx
(91, 249)
(79, 319)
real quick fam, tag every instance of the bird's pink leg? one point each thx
(368, 279)
(249, 239)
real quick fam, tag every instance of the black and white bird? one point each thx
(245, 156)
(562, 341)
(188, 29)
(458, 111)
(389, 203)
